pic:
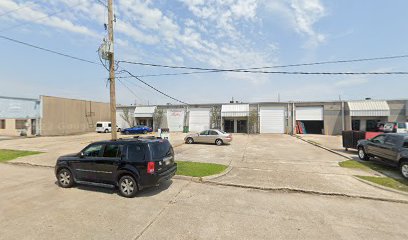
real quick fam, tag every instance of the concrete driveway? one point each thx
(283, 162)
(32, 206)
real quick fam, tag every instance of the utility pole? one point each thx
(112, 72)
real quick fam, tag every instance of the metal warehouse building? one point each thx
(50, 116)
(329, 118)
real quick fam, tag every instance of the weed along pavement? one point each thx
(276, 187)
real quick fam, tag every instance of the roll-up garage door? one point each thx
(175, 120)
(272, 119)
(314, 113)
(199, 119)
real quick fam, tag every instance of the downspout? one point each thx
(293, 119)
(342, 116)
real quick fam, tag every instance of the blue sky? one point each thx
(213, 34)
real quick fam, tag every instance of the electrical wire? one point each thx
(49, 50)
(154, 88)
(131, 91)
(15, 10)
(249, 70)
(41, 18)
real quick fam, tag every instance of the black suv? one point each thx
(130, 165)
(391, 147)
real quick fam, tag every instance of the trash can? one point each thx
(185, 129)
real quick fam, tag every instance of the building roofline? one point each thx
(20, 98)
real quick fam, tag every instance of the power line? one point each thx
(14, 10)
(41, 18)
(130, 90)
(49, 50)
(154, 88)
(249, 70)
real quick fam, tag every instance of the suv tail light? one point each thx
(150, 167)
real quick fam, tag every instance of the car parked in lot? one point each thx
(391, 147)
(209, 136)
(130, 165)
(105, 127)
(137, 129)
(396, 127)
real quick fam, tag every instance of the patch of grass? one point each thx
(365, 165)
(197, 169)
(398, 184)
(7, 154)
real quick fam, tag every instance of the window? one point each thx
(213, 133)
(112, 151)
(21, 124)
(2, 124)
(401, 125)
(99, 125)
(204, 132)
(379, 139)
(110, 125)
(93, 151)
(391, 140)
(136, 153)
(160, 149)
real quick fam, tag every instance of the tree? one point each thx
(158, 117)
(253, 121)
(128, 117)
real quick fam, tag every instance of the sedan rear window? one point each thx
(160, 149)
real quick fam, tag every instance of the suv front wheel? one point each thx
(404, 169)
(362, 154)
(127, 186)
(65, 178)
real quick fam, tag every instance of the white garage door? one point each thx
(272, 120)
(309, 113)
(175, 120)
(199, 119)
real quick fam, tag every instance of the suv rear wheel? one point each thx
(362, 155)
(404, 169)
(127, 186)
(65, 178)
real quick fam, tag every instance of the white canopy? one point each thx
(235, 110)
(369, 108)
(144, 111)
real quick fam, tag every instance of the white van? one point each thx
(105, 127)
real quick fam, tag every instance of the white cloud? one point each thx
(301, 15)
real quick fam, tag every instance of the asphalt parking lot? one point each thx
(306, 195)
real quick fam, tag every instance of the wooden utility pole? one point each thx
(112, 72)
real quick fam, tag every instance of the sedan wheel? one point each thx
(127, 186)
(218, 142)
(190, 141)
(65, 178)
(404, 169)
(127, 132)
(144, 132)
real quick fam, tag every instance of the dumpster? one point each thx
(350, 138)
(164, 133)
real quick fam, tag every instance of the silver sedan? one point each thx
(209, 136)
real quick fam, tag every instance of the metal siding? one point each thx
(175, 119)
(369, 108)
(272, 119)
(144, 111)
(11, 108)
(235, 110)
(314, 113)
(199, 119)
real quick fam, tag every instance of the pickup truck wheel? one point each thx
(127, 186)
(404, 169)
(362, 155)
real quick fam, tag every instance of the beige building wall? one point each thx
(10, 128)
(62, 116)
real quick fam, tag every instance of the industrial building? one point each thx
(50, 116)
(326, 117)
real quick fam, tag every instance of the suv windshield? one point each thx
(160, 149)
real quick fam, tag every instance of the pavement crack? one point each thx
(169, 203)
